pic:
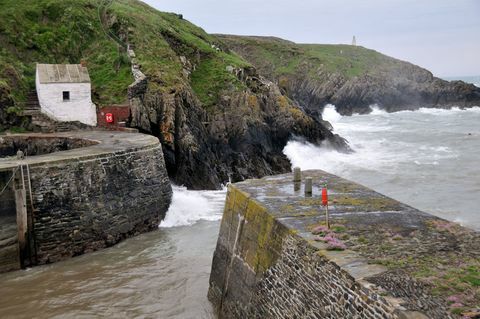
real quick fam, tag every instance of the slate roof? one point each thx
(62, 73)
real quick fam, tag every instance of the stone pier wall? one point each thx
(85, 205)
(270, 261)
(8, 226)
(93, 197)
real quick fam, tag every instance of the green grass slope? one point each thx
(97, 31)
(351, 77)
(281, 57)
(47, 31)
(161, 38)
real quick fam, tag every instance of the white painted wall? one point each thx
(78, 108)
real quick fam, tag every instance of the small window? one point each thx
(66, 95)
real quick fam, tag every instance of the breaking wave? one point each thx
(189, 207)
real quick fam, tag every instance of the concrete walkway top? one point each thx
(106, 142)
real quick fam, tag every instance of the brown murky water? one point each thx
(163, 274)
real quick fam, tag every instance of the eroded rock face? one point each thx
(217, 118)
(379, 80)
(408, 92)
(242, 137)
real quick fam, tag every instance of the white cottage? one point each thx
(64, 93)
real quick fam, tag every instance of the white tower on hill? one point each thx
(354, 41)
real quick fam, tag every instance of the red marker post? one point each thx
(325, 203)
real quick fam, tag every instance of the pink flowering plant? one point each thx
(328, 236)
(320, 230)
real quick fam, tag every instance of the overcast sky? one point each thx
(440, 35)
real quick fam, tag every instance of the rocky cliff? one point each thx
(216, 117)
(352, 78)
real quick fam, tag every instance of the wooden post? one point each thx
(327, 217)
(297, 174)
(297, 178)
(20, 202)
(308, 187)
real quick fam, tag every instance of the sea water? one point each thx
(162, 274)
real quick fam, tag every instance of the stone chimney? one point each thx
(83, 63)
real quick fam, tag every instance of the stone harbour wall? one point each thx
(269, 263)
(93, 197)
(82, 206)
(266, 270)
(8, 226)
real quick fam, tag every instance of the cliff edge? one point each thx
(353, 78)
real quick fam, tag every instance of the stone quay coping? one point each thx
(106, 144)
(405, 255)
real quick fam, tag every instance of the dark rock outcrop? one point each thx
(217, 118)
(242, 137)
(352, 78)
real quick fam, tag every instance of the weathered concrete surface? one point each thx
(92, 197)
(399, 262)
(33, 145)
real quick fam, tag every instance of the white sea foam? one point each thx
(189, 207)
(330, 114)
(376, 110)
(453, 110)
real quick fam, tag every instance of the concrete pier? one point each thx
(275, 257)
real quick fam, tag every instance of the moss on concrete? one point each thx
(366, 204)
(261, 241)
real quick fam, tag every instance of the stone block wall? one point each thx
(9, 258)
(268, 264)
(86, 204)
(93, 190)
(261, 269)
(39, 144)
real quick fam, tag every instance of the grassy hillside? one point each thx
(351, 77)
(161, 38)
(48, 31)
(67, 31)
(278, 57)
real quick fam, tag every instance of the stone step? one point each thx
(32, 100)
(31, 107)
(31, 112)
